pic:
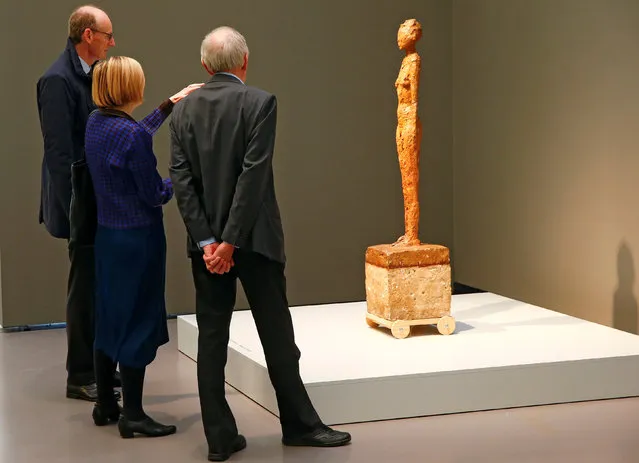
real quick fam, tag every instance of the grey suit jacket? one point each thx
(222, 143)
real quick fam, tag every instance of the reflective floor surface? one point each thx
(38, 424)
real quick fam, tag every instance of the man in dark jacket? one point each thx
(222, 148)
(64, 104)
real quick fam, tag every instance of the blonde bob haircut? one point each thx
(117, 81)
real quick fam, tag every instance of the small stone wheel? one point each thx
(400, 329)
(371, 323)
(446, 325)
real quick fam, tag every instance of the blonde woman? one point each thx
(130, 243)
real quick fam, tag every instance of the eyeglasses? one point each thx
(109, 35)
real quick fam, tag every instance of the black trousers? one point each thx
(264, 283)
(80, 316)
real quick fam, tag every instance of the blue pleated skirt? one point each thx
(130, 310)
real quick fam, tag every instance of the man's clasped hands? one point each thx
(219, 257)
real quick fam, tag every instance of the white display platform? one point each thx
(504, 353)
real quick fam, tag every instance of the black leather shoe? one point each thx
(147, 426)
(321, 437)
(103, 415)
(88, 392)
(238, 444)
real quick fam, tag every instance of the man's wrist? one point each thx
(206, 242)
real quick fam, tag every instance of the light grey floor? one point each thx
(38, 424)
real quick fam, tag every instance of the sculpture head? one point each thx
(408, 34)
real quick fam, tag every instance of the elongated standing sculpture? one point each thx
(409, 128)
(407, 282)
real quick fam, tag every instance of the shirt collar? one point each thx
(85, 67)
(229, 74)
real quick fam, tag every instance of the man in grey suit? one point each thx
(222, 143)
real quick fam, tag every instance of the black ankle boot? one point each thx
(103, 415)
(146, 426)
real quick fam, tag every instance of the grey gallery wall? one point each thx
(332, 65)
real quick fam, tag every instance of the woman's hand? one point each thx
(185, 91)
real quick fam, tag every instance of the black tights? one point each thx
(132, 386)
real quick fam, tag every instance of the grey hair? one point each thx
(223, 49)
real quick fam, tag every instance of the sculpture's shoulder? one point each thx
(411, 61)
(409, 69)
(414, 58)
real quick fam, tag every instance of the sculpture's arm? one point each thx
(414, 73)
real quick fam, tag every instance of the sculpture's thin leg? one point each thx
(411, 199)
(408, 141)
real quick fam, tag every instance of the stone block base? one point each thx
(408, 282)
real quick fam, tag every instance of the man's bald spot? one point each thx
(218, 38)
(97, 13)
(88, 9)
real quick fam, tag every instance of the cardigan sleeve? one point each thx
(151, 188)
(156, 118)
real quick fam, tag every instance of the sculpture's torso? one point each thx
(406, 85)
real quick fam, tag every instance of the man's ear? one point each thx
(245, 65)
(207, 68)
(87, 35)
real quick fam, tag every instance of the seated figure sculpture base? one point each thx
(407, 286)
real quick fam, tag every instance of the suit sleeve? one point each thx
(256, 170)
(57, 107)
(188, 200)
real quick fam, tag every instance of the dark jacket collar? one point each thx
(114, 113)
(74, 60)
